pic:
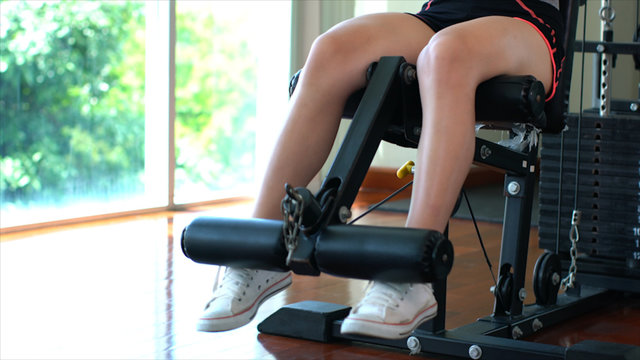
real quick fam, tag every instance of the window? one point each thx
(84, 95)
(232, 65)
(72, 98)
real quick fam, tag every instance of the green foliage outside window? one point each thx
(215, 99)
(72, 101)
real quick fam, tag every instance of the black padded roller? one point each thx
(508, 99)
(384, 253)
(246, 243)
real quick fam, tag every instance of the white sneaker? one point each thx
(237, 299)
(391, 310)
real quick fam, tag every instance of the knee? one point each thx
(328, 50)
(334, 62)
(446, 60)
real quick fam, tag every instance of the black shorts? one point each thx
(439, 14)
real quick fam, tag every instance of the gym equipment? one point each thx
(314, 237)
(593, 167)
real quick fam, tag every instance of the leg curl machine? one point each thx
(316, 238)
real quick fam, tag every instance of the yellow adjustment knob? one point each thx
(405, 170)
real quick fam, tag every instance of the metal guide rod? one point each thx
(607, 15)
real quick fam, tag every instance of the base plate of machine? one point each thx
(309, 320)
(319, 321)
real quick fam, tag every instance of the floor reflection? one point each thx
(120, 291)
(169, 343)
(84, 293)
(124, 290)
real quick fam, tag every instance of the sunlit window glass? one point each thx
(230, 56)
(72, 96)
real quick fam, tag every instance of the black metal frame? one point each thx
(380, 102)
(496, 336)
(390, 102)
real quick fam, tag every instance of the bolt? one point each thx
(485, 152)
(475, 352)
(555, 278)
(600, 48)
(410, 75)
(516, 333)
(513, 188)
(634, 107)
(522, 294)
(536, 324)
(414, 345)
(344, 214)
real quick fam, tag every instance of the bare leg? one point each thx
(336, 67)
(456, 60)
(449, 69)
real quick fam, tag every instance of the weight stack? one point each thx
(608, 192)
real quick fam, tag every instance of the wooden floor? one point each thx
(122, 289)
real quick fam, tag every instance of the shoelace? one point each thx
(233, 280)
(386, 294)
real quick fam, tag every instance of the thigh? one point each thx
(339, 58)
(498, 45)
(384, 34)
(352, 45)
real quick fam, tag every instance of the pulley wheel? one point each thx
(504, 290)
(546, 279)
